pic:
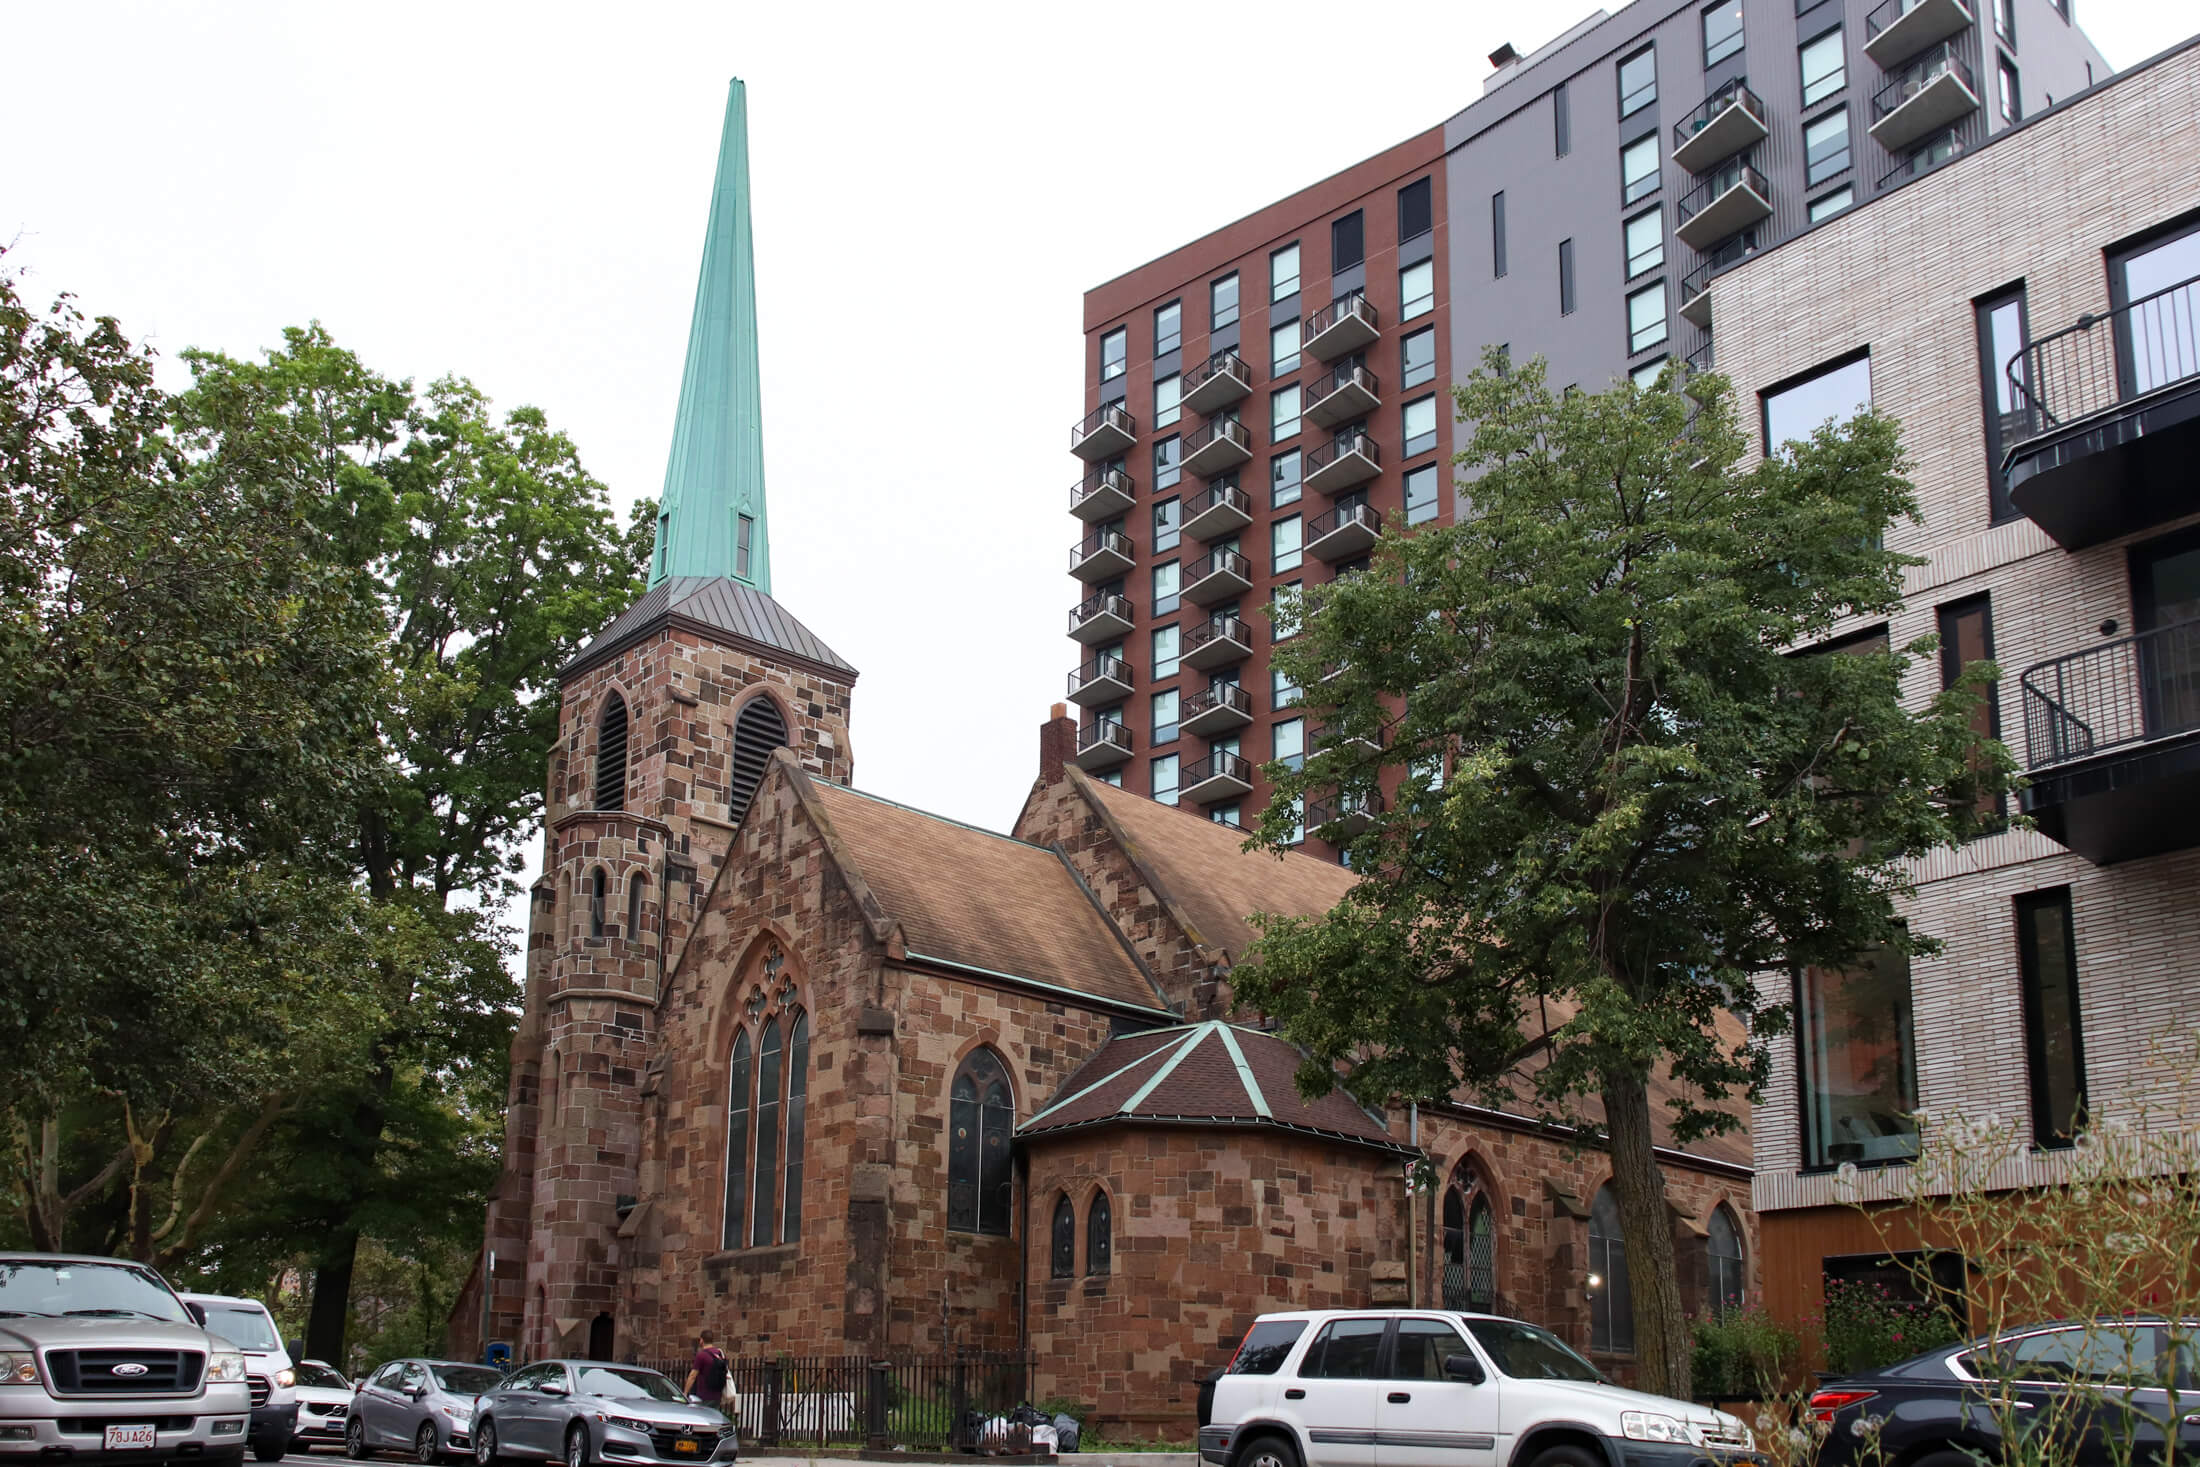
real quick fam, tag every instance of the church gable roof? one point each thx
(718, 607)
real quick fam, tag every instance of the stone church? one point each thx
(831, 1075)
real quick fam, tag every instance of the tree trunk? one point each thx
(332, 1297)
(1663, 1345)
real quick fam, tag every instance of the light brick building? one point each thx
(2028, 313)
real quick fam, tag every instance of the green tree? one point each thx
(1653, 800)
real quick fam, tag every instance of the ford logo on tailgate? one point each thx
(128, 1368)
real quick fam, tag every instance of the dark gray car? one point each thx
(424, 1408)
(583, 1412)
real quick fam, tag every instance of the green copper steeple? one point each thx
(711, 519)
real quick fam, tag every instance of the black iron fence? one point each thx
(2080, 370)
(955, 1402)
(2129, 691)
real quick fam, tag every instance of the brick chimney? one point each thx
(1057, 742)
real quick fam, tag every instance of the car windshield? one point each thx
(1526, 1353)
(43, 1286)
(466, 1380)
(627, 1385)
(321, 1376)
(244, 1325)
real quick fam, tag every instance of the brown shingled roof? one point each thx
(981, 900)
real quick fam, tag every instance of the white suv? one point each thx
(1430, 1388)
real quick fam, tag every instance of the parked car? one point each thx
(2101, 1388)
(324, 1402)
(102, 1363)
(425, 1407)
(1431, 1388)
(246, 1324)
(587, 1411)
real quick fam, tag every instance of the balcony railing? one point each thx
(1345, 324)
(1343, 532)
(1731, 119)
(1219, 776)
(1106, 431)
(1729, 199)
(1924, 159)
(1216, 576)
(1222, 508)
(1222, 444)
(2127, 692)
(1931, 93)
(1900, 29)
(1102, 494)
(1215, 708)
(1102, 742)
(1354, 811)
(1101, 618)
(1216, 642)
(1346, 460)
(1216, 383)
(2107, 360)
(1100, 679)
(1101, 555)
(1349, 392)
(1721, 257)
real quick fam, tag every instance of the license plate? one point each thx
(123, 1437)
(686, 1444)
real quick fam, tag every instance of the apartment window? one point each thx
(1290, 745)
(1825, 206)
(1825, 66)
(1164, 717)
(1497, 235)
(1282, 692)
(1565, 277)
(1646, 317)
(1225, 814)
(1416, 290)
(1966, 637)
(1638, 81)
(1165, 779)
(2001, 334)
(1420, 425)
(1284, 609)
(1283, 273)
(1168, 400)
(1168, 463)
(2012, 105)
(744, 545)
(1298, 824)
(1283, 479)
(1421, 495)
(1286, 544)
(1417, 358)
(1347, 244)
(2005, 21)
(1722, 32)
(1168, 525)
(1825, 147)
(1795, 409)
(1283, 413)
(1167, 645)
(1638, 168)
(1283, 347)
(1112, 777)
(1644, 236)
(1168, 328)
(1223, 299)
(1416, 211)
(1115, 350)
(1645, 377)
(1562, 122)
(1168, 586)
(2054, 1047)
(1859, 1070)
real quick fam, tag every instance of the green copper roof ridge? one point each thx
(714, 474)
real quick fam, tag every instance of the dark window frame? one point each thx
(1566, 294)
(1562, 122)
(2044, 1134)
(1656, 175)
(1812, 178)
(1946, 616)
(1215, 308)
(1405, 367)
(1789, 383)
(1619, 79)
(1176, 305)
(1350, 227)
(1740, 37)
(1099, 1236)
(1999, 509)
(1114, 333)
(1498, 263)
(1628, 272)
(981, 1109)
(1417, 207)
(1063, 1239)
(1802, 78)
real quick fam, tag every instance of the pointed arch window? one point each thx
(981, 1116)
(1611, 1301)
(798, 1092)
(1099, 1238)
(1470, 1243)
(737, 1141)
(757, 730)
(766, 1111)
(595, 902)
(634, 888)
(1726, 1275)
(611, 755)
(768, 1060)
(1065, 1238)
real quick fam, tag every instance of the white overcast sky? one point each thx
(517, 194)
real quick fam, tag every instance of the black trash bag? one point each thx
(1066, 1433)
(1027, 1415)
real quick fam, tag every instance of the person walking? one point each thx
(707, 1374)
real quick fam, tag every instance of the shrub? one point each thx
(1746, 1355)
(1867, 1326)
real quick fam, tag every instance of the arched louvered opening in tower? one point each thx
(611, 755)
(759, 730)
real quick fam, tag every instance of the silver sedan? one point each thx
(421, 1407)
(586, 1412)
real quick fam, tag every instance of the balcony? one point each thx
(1340, 396)
(1900, 29)
(2113, 734)
(1105, 434)
(1221, 575)
(1103, 494)
(2108, 421)
(1341, 326)
(1224, 509)
(1104, 618)
(1101, 744)
(1324, 738)
(1100, 680)
(1344, 532)
(1730, 120)
(1930, 95)
(1217, 448)
(1219, 776)
(1346, 815)
(1725, 203)
(1701, 359)
(1216, 642)
(1923, 160)
(1342, 463)
(1219, 708)
(1696, 284)
(1100, 556)
(1217, 383)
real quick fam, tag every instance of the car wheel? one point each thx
(1566, 1454)
(576, 1446)
(267, 1451)
(1267, 1451)
(426, 1449)
(355, 1440)
(485, 1443)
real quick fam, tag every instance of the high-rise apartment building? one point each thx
(1268, 400)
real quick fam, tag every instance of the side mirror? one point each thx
(420, 1393)
(1463, 1368)
(553, 1390)
(197, 1313)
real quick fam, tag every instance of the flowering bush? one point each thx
(1866, 1326)
(1747, 1355)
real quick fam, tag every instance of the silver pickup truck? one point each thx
(101, 1363)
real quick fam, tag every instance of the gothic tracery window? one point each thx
(767, 1096)
(1099, 1238)
(981, 1119)
(1065, 1238)
(1611, 1300)
(1470, 1243)
(1723, 1242)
